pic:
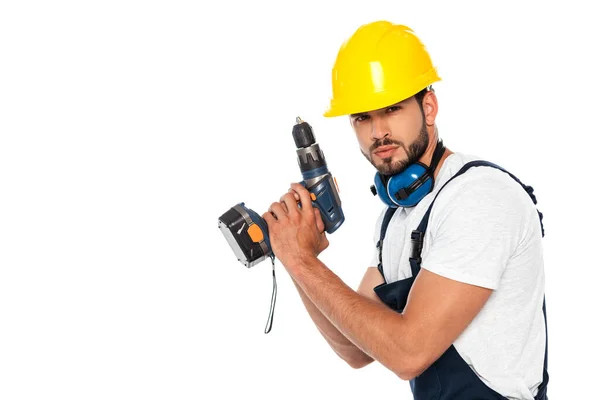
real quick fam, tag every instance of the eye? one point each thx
(361, 118)
(393, 108)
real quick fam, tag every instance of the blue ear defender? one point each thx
(407, 188)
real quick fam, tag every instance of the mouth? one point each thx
(385, 151)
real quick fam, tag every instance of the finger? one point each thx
(269, 218)
(296, 196)
(278, 211)
(283, 204)
(320, 223)
(305, 200)
(290, 204)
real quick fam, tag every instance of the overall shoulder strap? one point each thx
(384, 225)
(423, 225)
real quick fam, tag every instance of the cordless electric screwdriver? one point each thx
(247, 232)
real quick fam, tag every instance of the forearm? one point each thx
(366, 323)
(344, 348)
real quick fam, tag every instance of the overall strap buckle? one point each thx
(416, 239)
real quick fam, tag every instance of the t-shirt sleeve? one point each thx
(475, 227)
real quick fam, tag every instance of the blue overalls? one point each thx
(450, 377)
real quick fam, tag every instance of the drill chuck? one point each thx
(310, 157)
(303, 134)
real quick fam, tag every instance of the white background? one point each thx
(127, 128)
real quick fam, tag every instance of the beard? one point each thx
(415, 151)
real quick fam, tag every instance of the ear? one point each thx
(430, 107)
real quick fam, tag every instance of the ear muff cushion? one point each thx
(382, 191)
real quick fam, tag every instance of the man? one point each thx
(454, 298)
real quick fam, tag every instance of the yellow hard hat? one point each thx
(379, 65)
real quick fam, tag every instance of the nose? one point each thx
(379, 128)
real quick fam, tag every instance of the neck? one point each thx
(447, 152)
(428, 155)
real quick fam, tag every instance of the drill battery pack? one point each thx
(246, 233)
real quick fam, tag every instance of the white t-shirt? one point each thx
(483, 230)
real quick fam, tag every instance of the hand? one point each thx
(295, 233)
(320, 224)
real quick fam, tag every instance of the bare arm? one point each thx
(343, 347)
(437, 311)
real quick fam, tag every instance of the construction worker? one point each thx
(454, 298)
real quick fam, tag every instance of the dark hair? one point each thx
(419, 96)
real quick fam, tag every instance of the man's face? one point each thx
(392, 138)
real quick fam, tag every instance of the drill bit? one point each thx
(299, 120)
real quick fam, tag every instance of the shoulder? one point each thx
(478, 221)
(484, 198)
(480, 185)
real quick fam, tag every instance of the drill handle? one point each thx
(324, 196)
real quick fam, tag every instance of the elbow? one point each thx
(412, 357)
(354, 360)
(408, 374)
(358, 363)
(410, 368)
